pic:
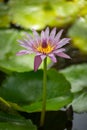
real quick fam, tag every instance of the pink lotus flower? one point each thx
(48, 44)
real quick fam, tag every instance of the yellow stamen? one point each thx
(45, 50)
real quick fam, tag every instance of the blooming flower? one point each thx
(48, 44)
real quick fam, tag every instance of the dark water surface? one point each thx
(61, 120)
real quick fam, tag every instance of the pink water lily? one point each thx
(48, 44)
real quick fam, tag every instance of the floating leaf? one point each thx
(26, 90)
(12, 120)
(53, 13)
(9, 107)
(11, 117)
(83, 12)
(8, 49)
(4, 15)
(80, 102)
(32, 2)
(21, 125)
(78, 33)
(64, 14)
(77, 76)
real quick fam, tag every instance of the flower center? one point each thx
(45, 49)
(44, 44)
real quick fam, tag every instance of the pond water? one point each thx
(61, 120)
(79, 121)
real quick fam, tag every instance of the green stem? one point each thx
(44, 93)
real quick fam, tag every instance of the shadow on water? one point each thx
(55, 120)
(60, 120)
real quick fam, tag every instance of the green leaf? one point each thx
(64, 14)
(80, 101)
(77, 76)
(32, 2)
(13, 121)
(17, 126)
(78, 33)
(52, 13)
(53, 104)
(4, 15)
(8, 49)
(9, 107)
(26, 90)
(7, 117)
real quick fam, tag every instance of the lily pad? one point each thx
(14, 122)
(4, 15)
(52, 13)
(78, 33)
(25, 89)
(77, 76)
(10, 126)
(83, 12)
(8, 49)
(32, 2)
(8, 107)
(11, 117)
(80, 102)
(64, 14)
